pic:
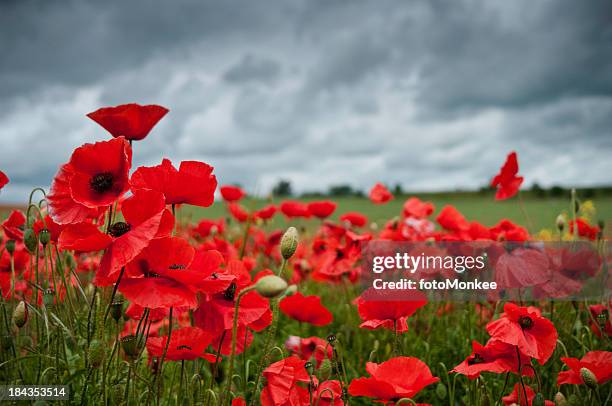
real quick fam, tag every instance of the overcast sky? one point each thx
(429, 94)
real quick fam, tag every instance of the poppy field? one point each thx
(133, 286)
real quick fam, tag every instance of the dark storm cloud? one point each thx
(430, 94)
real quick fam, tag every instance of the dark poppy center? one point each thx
(525, 322)
(230, 292)
(177, 266)
(339, 254)
(184, 347)
(102, 182)
(119, 228)
(476, 359)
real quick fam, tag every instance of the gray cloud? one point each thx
(429, 94)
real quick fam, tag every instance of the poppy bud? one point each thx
(289, 242)
(441, 391)
(95, 353)
(560, 222)
(588, 378)
(20, 314)
(10, 246)
(538, 400)
(270, 286)
(309, 367)
(44, 236)
(325, 370)
(130, 346)
(291, 290)
(560, 400)
(331, 339)
(116, 310)
(48, 297)
(30, 240)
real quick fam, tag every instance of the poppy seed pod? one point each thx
(10, 246)
(270, 286)
(44, 236)
(289, 242)
(560, 222)
(95, 353)
(20, 314)
(560, 400)
(130, 345)
(30, 240)
(48, 297)
(441, 391)
(116, 310)
(538, 400)
(588, 378)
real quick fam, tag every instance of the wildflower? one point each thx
(132, 121)
(322, 209)
(598, 363)
(231, 193)
(307, 309)
(506, 181)
(379, 194)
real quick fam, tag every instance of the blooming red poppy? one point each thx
(356, 219)
(13, 226)
(506, 230)
(265, 213)
(169, 273)
(601, 316)
(208, 227)
(506, 181)
(379, 194)
(415, 207)
(193, 183)
(598, 362)
(452, 220)
(496, 356)
(96, 176)
(239, 402)
(513, 398)
(307, 348)
(187, 343)
(524, 327)
(132, 121)
(231, 193)
(287, 382)
(238, 212)
(382, 309)
(585, 230)
(399, 377)
(292, 209)
(3, 179)
(307, 309)
(322, 209)
(48, 224)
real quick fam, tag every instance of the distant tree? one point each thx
(282, 188)
(341, 190)
(557, 191)
(588, 193)
(397, 190)
(538, 191)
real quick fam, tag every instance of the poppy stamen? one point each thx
(119, 228)
(184, 347)
(476, 359)
(176, 266)
(525, 322)
(230, 292)
(102, 182)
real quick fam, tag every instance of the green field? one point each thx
(541, 212)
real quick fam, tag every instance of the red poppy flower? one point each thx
(3, 179)
(207, 227)
(307, 348)
(132, 121)
(354, 218)
(585, 230)
(506, 181)
(524, 327)
(13, 226)
(168, 273)
(381, 309)
(399, 377)
(322, 209)
(416, 208)
(506, 230)
(513, 398)
(496, 356)
(307, 309)
(452, 220)
(193, 183)
(231, 193)
(598, 362)
(265, 213)
(95, 176)
(379, 194)
(239, 402)
(284, 380)
(238, 212)
(187, 343)
(293, 209)
(51, 226)
(521, 267)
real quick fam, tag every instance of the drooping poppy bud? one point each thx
(441, 391)
(560, 222)
(44, 236)
(588, 377)
(95, 353)
(325, 370)
(116, 310)
(289, 242)
(270, 286)
(30, 240)
(20, 314)
(130, 345)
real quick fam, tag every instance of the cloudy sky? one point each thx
(429, 94)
